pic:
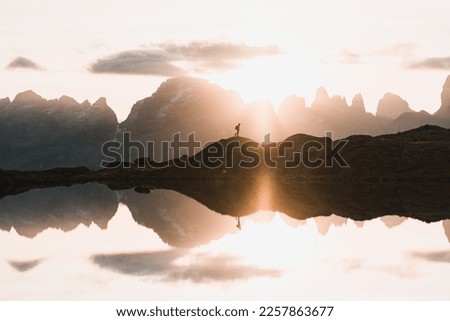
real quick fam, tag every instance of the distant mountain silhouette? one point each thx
(392, 106)
(189, 105)
(42, 134)
(184, 105)
(444, 110)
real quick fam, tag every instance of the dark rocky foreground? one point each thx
(405, 174)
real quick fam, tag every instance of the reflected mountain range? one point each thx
(180, 220)
(62, 208)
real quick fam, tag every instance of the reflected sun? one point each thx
(264, 243)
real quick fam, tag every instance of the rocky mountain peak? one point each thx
(321, 100)
(85, 104)
(27, 98)
(292, 106)
(4, 102)
(338, 102)
(444, 111)
(358, 104)
(445, 95)
(391, 106)
(66, 100)
(100, 103)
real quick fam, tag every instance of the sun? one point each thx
(270, 79)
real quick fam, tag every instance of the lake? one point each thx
(87, 242)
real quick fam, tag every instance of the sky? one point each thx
(264, 50)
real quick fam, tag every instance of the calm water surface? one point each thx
(88, 242)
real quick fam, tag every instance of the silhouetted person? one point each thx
(238, 128)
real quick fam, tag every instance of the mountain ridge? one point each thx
(186, 105)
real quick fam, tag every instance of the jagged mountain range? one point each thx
(43, 134)
(40, 134)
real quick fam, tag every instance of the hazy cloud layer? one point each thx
(348, 57)
(161, 59)
(351, 265)
(22, 62)
(401, 49)
(137, 62)
(431, 63)
(221, 52)
(162, 264)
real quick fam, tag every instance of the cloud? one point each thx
(401, 271)
(22, 62)
(348, 57)
(137, 62)
(24, 266)
(163, 264)
(350, 265)
(436, 256)
(219, 52)
(162, 58)
(399, 49)
(431, 63)
(206, 67)
(402, 49)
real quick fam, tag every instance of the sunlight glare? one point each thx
(271, 79)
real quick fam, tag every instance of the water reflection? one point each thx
(434, 256)
(24, 266)
(446, 225)
(166, 245)
(179, 221)
(201, 268)
(62, 208)
(300, 198)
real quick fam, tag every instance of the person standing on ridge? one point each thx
(238, 128)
